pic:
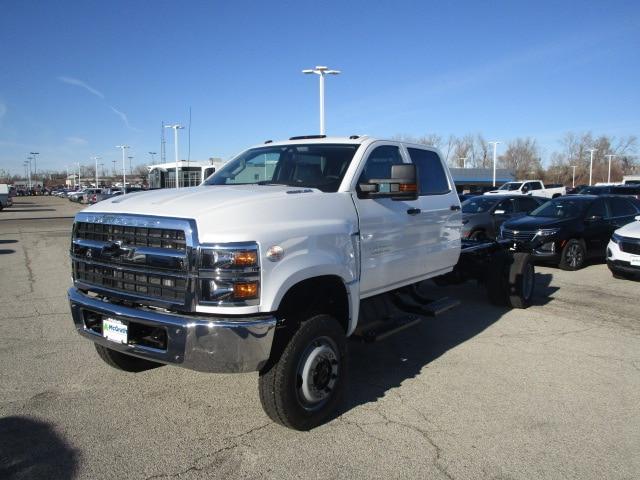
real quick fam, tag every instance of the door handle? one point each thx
(455, 207)
(413, 211)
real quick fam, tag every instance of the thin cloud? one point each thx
(76, 141)
(81, 84)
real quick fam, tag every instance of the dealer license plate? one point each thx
(635, 261)
(114, 330)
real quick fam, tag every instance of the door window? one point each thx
(506, 205)
(534, 186)
(380, 162)
(431, 174)
(527, 204)
(621, 207)
(597, 209)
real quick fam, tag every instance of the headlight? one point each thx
(615, 238)
(547, 232)
(229, 275)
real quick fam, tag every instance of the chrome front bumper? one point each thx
(206, 344)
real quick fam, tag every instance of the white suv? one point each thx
(623, 251)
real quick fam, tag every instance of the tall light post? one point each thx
(79, 175)
(35, 164)
(176, 127)
(591, 164)
(573, 182)
(27, 164)
(609, 175)
(464, 161)
(321, 71)
(130, 157)
(124, 168)
(96, 158)
(153, 157)
(495, 150)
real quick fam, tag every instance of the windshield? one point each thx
(561, 208)
(320, 166)
(478, 204)
(511, 186)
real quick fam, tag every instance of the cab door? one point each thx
(392, 233)
(440, 211)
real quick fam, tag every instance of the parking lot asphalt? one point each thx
(480, 392)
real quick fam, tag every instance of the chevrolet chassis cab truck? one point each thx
(275, 260)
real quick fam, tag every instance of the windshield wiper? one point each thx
(269, 182)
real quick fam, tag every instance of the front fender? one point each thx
(331, 256)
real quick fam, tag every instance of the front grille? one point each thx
(518, 235)
(130, 235)
(144, 284)
(630, 247)
(141, 259)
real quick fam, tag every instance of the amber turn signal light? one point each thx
(245, 290)
(246, 258)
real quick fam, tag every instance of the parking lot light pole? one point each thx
(591, 164)
(321, 72)
(495, 148)
(153, 158)
(464, 161)
(27, 165)
(176, 127)
(35, 165)
(124, 168)
(609, 175)
(573, 182)
(97, 180)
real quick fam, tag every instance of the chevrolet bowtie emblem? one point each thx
(115, 249)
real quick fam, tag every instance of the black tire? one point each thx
(522, 278)
(496, 280)
(573, 255)
(122, 361)
(318, 350)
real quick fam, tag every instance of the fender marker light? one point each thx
(275, 253)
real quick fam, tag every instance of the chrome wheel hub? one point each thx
(317, 373)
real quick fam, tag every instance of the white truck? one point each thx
(275, 260)
(5, 196)
(530, 187)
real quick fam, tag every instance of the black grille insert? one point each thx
(135, 236)
(156, 285)
(630, 247)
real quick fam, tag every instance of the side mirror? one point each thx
(401, 186)
(499, 212)
(525, 189)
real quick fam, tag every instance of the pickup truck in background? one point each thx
(5, 196)
(530, 187)
(275, 260)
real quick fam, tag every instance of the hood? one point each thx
(630, 230)
(238, 212)
(534, 223)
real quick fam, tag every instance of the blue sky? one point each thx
(78, 78)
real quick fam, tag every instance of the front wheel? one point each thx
(573, 255)
(304, 387)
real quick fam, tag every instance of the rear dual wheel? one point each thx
(511, 280)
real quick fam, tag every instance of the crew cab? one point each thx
(530, 187)
(274, 261)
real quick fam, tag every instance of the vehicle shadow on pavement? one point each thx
(22, 210)
(6, 251)
(380, 367)
(32, 449)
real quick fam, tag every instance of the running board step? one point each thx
(388, 328)
(412, 302)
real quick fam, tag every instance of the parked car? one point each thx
(5, 196)
(568, 229)
(105, 194)
(483, 215)
(466, 196)
(623, 251)
(76, 196)
(630, 190)
(530, 187)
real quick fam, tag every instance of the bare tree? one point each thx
(522, 157)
